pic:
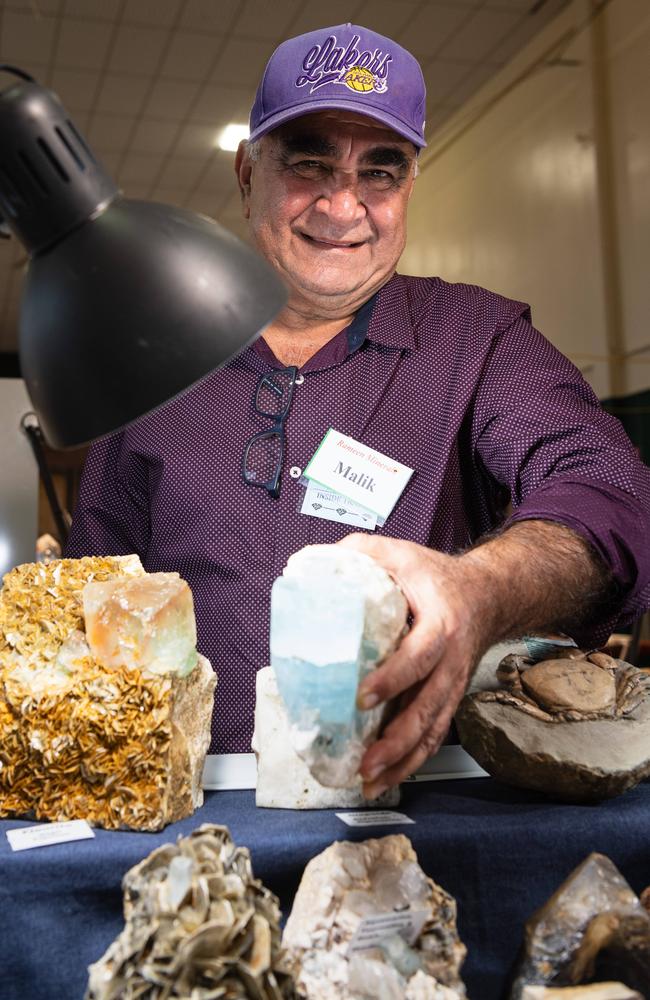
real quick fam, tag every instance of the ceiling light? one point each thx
(230, 137)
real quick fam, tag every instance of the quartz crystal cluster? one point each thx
(335, 615)
(197, 925)
(593, 929)
(104, 704)
(367, 922)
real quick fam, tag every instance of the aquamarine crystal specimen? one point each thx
(335, 614)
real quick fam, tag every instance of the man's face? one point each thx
(327, 203)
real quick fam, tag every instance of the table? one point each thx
(500, 852)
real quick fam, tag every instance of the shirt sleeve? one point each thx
(539, 430)
(112, 512)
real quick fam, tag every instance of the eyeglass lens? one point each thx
(263, 457)
(274, 393)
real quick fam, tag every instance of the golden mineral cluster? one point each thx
(105, 705)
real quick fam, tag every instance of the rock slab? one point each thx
(576, 761)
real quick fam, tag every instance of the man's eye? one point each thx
(379, 178)
(309, 168)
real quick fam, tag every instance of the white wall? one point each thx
(511, 192)
(628, 27)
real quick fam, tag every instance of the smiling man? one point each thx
(443, 399)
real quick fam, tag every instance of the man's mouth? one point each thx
(332, 244)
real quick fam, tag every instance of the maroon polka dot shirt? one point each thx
(450, 380)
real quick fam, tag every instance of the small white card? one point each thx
(25, 837)
(374, 817)
(361, 474)
(373, 930)
(335, 507)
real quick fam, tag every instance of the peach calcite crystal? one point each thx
(105, 705)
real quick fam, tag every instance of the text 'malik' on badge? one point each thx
(354, 470)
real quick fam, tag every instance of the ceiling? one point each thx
(150, 83)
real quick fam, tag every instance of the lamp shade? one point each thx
(126, 303)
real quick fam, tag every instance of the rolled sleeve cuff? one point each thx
(617, 526)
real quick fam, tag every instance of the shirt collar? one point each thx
(384, 319)
(391, 324)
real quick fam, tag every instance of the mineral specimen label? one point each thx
(374, 817)
(26, 837)
(365, 476)
(375, 929)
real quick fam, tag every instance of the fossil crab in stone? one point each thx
(575, 686)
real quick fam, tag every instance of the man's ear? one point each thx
(244, 169)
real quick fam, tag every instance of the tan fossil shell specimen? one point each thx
(575, 686)
(198, 924)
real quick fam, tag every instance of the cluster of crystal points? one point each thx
(349, 884)
(104, 716)
(335, 615)
(197, 924)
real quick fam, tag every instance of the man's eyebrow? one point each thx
(308, 144)
(386, 156)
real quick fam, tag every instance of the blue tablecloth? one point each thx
(500, 852)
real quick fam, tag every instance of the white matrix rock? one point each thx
(283, 778)
(367, 922)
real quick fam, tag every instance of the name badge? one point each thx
(357, 473)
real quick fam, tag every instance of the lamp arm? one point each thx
(30, 426)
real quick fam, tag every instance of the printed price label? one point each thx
(26, 837)
(374, 817)
(373, 930)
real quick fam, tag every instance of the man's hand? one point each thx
(461, 605)
(433, 664)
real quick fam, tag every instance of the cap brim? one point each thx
(340, 104)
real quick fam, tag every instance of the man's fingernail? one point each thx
(368, 700)
(374, 772)
(375, 791)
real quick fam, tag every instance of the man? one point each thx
(451, 382)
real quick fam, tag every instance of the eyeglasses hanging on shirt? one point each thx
(264, 451)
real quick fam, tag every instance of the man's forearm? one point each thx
(537, 576)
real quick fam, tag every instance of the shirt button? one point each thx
(299, 379)
(295, 472)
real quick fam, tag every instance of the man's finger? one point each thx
(392, 776)
(429, 712)
(411, 663)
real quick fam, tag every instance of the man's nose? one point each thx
(341, 199)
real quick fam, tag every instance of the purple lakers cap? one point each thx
(347, 68)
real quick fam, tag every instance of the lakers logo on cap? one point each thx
(359, 79)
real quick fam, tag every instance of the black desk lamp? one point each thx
(127, 303)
